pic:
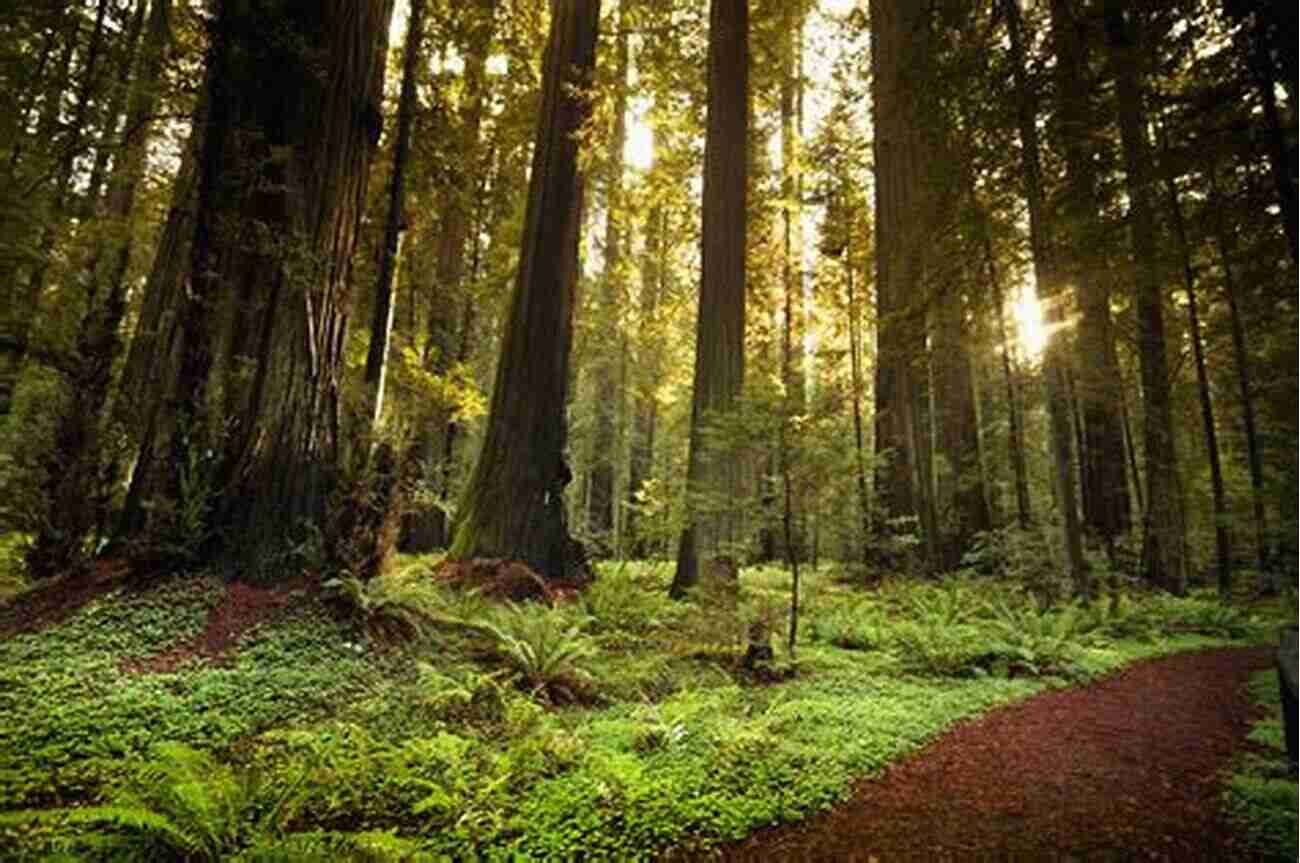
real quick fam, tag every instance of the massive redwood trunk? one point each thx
(713, 476)
(292, 96)
(514, 505)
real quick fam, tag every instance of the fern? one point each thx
(544, 646)
(323, 847)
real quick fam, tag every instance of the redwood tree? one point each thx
(713, 478)
(292, 118)
(514, 503)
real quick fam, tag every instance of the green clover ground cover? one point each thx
(456, 743)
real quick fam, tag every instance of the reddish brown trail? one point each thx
(1126, 768)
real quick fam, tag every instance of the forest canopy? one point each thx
(911, 286)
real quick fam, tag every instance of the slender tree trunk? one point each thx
(1163, 561)
(78, 503)
(1222, 537)
(600, 513)
(713, 476)
(427, 528)
(645, 408)
(1225, 245)
(963, 483)
(1015, 417)
(514, 505)
(855, 361)
(1048, 286)
(381, 325)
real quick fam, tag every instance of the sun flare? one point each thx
(1031, 332)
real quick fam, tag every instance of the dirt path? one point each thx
(1124, 769)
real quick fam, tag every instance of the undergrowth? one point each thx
(614, 725)
(1262, 791)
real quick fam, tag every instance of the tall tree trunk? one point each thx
(897, 57)
(427, 528)
(1015, 416)
(645, 408)
(1106, 506)
(1162, 554)
(78, 504)
(1225, 245)
(1222, 538)
(962, 484)
(855, 367)
(381, 324)
(145, 397)
(291, 126)
(713, 476)
(514, 505)
(600, 512)
(1048, 284)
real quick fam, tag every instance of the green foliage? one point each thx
(544, 646)
(185, 805)
(13, 577)
(395, 606)
(77, 705)
(1262, 792)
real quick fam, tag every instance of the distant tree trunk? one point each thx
(381, 325)
(514, 505)
(427, 529)
(713, 477)
(55, 211)
(1162, 554)
(600, 512)
(855, 367)
(1106, 506)
(19, 312)
(1225, 245)
(1015, 417)
(1048, 285)
(963, 493)
(645, 408)
(78, 505)
(292, 120)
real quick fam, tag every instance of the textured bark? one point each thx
(1048, 284)
(291, 125)
(1162, 554)
(514, 505)
(713, 476)
(897, 158)
(145, 394)
(381, 324)
(600, 510)
(1106, 507)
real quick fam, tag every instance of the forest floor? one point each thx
(920, 719)
(1126, 768)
